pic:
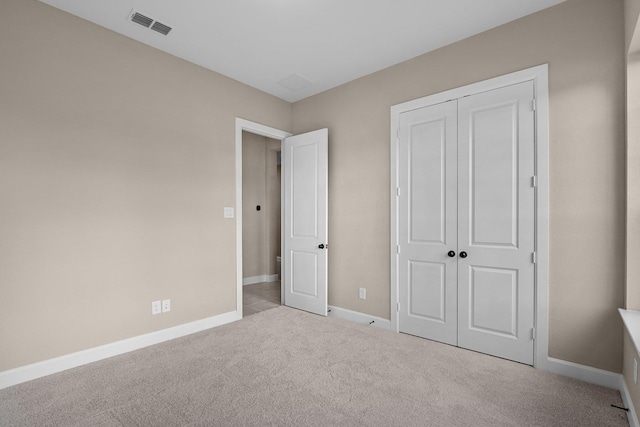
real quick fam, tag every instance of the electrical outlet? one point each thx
(156, 307)
(166, 305)
(228, 212)
(362, 293)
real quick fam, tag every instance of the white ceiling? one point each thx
(325, 42)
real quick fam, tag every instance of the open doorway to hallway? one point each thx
(261, 223)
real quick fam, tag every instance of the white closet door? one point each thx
(496, 222)
(428, 221)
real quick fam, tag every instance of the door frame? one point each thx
(540, 77)
(269, 132)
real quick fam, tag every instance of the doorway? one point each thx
(242, 126)
(304, 216)
(261, 222)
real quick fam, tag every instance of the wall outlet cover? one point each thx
(166, 305)
(156, 307)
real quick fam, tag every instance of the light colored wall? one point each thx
(273, 205)
(116, 161)
(582, 40)
(633, 184)
(260, 186)
(631, 30)
(254, 222)
(632, 297)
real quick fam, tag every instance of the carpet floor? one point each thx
(289, 368)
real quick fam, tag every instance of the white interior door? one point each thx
(466, 222)
(428, 227)
(305, 231)
(496, 222)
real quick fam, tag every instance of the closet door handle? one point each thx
(451, 254)
(463, 254)
(321, 246)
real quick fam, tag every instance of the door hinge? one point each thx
(534, 258)
(398, 133)
(398, 307)
(533, 105)
(534, 181)
(397, 249)
(533, 333)
(397, 191)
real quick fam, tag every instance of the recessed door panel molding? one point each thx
(302, 264)
(304, 181)
(427, 287)
(493, 175)
(465, 216)
(493, 301)
(427, 158)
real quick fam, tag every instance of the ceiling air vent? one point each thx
(150, 23)
(161, 28)
(139, 18)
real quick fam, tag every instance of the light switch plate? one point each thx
(229, 212)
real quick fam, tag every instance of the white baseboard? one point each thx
(62, 363)
(358, 317)
(582, 373)
(259, 279)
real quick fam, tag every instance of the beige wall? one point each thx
(116, 161)
(631, 30)
(632, 297)
(582, 40)
(633, 184)
(254, 222)
(260, 186)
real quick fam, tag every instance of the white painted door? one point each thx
(305, 232)
(496, 222)
(467, 221)
(428, 227)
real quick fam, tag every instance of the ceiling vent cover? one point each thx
(150, 23)
(139, 18)
(161, 28)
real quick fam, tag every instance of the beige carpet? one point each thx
(289, 368)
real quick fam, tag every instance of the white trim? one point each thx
(73, 360)
(358, 317)
(583, 373)
(262, 130)
(632, 417)
(259, 279)
(540, 76)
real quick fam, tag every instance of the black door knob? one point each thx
(321, 246)
(463, 254)
(451, 254)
